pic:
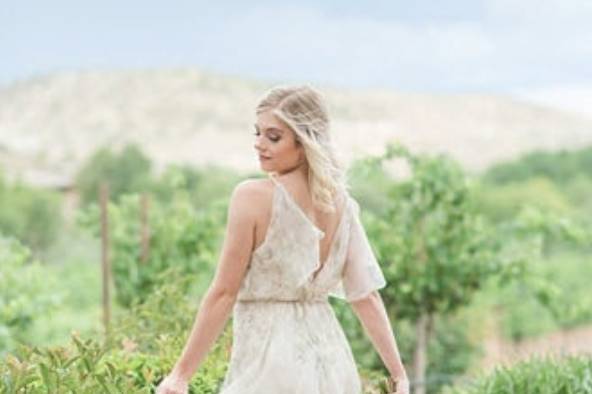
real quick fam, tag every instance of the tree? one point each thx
(179, 235)
(127, 171)
(438, 250)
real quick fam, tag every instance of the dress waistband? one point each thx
(301, 301)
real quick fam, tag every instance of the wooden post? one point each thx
(105, 258)
(145, 228)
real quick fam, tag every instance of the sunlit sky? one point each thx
(541, 49)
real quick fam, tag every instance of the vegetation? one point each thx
(180, 235)
(438, 250)
(572, 375)
(32, 215)
(560, 167)
(126, 171)
(145, 343)
(23, 293)
(511, 247)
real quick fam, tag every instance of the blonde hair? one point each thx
(303, 109)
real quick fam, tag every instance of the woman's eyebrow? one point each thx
(271, 129)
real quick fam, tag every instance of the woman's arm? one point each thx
(216, 306)
(372, 314)
(214, 310)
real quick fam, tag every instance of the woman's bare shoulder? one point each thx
(254, 193)
(254, 186)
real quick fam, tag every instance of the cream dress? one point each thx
(286, 337)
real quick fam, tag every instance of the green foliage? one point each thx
(179, 235)
(542, 202)
(578, 190)
(371, 185)
(572, 305)
(539, 290)
(450, 352)
(134, 360)
(204, 184)
(23, 293)
(160, 325)
(554, 295)
(503, 202)
(77, 279)
(436, 250)
(558, 166)
(536, 376)
(127, 171)
(29, 214)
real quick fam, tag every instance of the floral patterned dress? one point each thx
(286, 337)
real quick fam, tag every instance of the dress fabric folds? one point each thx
(286, 336)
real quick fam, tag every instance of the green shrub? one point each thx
(572, 375)
(180, 235)
(144, 344)
(204, 184)
(29, 214)
(25, 293)
(127, 171)
(450, 352)
(503, 202)
(558, 166)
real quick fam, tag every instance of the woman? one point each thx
(291, 241)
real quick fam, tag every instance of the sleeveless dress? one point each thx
(286, 337)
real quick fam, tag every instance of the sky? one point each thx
(535, 49)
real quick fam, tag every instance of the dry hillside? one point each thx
(50, 124)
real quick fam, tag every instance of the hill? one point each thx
(50, 124)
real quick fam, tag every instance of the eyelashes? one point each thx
(256, 133)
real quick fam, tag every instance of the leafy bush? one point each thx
(23, 293)
(143, 346)
(559, 166)
(450, 352)
(180, 235)
(29, 214)
(556, 295)
(578, 190)
(204, 184)
(572, 375)
(126, 171)
(503, 202)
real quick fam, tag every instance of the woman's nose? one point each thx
(258, 144)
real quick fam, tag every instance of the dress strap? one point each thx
(272, 177)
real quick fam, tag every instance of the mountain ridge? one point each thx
(50, 124)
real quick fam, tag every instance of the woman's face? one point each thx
(276, 146)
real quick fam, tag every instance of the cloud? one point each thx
(308, 43)
(491, 45)
(568, 14)
(528, 43)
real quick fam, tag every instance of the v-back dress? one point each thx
(286, 337)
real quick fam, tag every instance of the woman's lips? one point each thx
(263, 158)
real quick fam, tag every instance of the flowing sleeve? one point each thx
(361, 273)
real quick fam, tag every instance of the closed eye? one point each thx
(273, 139)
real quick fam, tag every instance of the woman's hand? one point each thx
(173, 384)
(398, 385)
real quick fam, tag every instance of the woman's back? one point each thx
(286, 336)
(298, 199)
(282, 259)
